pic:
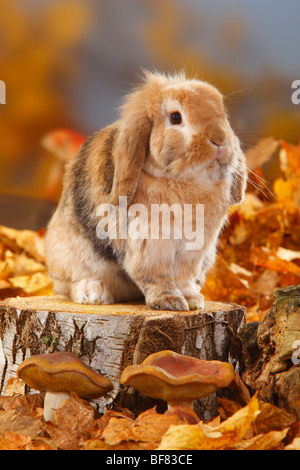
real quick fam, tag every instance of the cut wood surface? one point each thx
(111, 337)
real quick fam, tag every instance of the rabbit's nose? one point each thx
(216, 136)
(217, 142)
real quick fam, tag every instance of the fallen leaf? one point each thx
(287, 255)
(34, 283)
(261, 256)
(25, 404)
(223, 284)
(228, 407)
(118, 430)
(286, 189)
(203, 437)
(99, 444)
(266, 283)
(148, 427)
(294, 445)
(291, 155)
(19, 264)
(4, 284)
(41, 443)
(272, 418)
(234, 428)
(249, 207)
(26, 240)
(14, 386)
(268, 441)
(73, 421)
(14, 441)
(16, 422)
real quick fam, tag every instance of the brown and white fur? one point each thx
(148, 158)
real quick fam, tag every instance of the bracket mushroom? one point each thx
(58, 374)
(176, 378)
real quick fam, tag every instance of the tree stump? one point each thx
(272, 356)
(111, 337)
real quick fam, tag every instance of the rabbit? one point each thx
(172, 144)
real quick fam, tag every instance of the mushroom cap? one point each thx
(177, 378)
(63, 371)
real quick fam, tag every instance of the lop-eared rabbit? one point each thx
(172, 146)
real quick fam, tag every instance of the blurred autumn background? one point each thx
(67, 64)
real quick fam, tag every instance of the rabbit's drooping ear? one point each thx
(131, 146)
(239, 183)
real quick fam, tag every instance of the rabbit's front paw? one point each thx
(195, 301)
(168, 302)
(90, 291)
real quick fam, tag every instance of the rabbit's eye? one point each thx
(175, 118)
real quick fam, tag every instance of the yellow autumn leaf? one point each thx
(205, 437)
(270, 440)
(19, 265)
(236, 426)
(32, 284)
(290, 154)
(249, 207)
(28, 240)
(285, 189)
(14, 387)
(294, 445)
